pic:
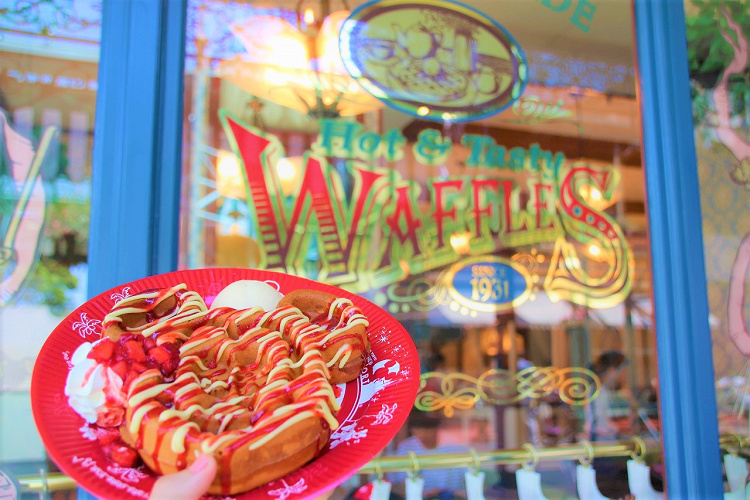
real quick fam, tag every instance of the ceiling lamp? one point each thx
(461, 242)
(595, 198)
(229, 180)
(300, 66)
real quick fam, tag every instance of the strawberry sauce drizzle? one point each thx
(287, 368)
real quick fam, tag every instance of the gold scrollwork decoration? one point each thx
(447, 392)
(419, 294)
(578, 386)
(527, 260)
(457, 391)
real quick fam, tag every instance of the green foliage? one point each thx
(66, 217)
(48, 284)
(709, 53)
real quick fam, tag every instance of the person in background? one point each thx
(423, 440)
(612, 475)
(609, 367)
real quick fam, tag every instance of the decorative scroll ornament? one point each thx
(476, 284)
(567, 278)
(457, 391)
(532, 109)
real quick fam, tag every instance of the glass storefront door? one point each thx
(476, 174)
(477, 170)
(720, 97)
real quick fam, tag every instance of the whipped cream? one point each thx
(244, 294)
(94, 390)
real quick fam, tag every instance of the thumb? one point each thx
(189, 484)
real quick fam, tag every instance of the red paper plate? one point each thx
(373, 407)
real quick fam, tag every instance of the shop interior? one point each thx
(580, 100)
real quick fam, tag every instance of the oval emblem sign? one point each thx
(436, 59)
(488, 284)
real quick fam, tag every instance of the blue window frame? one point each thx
(686, 379)
(136, 191)
(138, 138)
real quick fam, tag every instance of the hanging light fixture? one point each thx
(591, 194)
(298, 66)
(229, 181)
(461, 242)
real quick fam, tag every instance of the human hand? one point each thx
(189, 484)
(193, 482)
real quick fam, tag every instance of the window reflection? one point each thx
(48, 82)
(509, 239)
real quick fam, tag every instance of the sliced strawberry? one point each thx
(170, 366)
(120, 354)
(131, 375)
(102, 351)
(139, 367)
(149, 343)
(123, 455)
(134, 350)
(111, 417)
(120, 368)
(159, 355)
(172, 349)
(127, 337)
(107, 436)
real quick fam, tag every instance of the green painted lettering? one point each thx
(561, 6)
(394, 142)
(556, 163)
(369, 144)
(583, 14)
(477, 145)
(535, 154)
(495, 157)
(336, 138)
(431, 147)
(517, 158)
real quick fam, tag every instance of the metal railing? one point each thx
(527, 455)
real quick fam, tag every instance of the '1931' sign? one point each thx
(488, 284)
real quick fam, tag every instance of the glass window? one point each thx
(48, 82)
(477, 175)
(718, 48)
